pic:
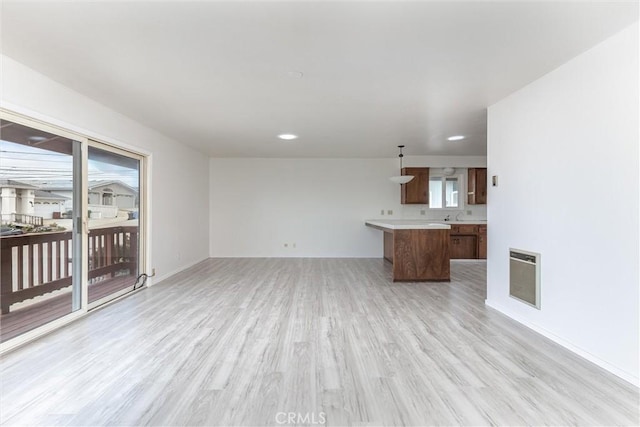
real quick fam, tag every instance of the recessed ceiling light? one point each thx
(455, 138)
(287, 136)
(295, 74)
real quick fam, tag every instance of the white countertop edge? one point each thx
(404, 224)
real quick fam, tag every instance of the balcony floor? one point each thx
(41, 313)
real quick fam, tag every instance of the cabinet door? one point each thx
(415, 191)
(482, 243)
(477, 186)
(464, 247)
(481, 186)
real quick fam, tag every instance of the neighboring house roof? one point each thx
(96, 184)
(16, 184)
(39, 194)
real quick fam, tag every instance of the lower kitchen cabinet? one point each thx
(468, 241)
(464, 247)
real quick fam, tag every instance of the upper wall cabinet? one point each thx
(416, 191)
(477, 186)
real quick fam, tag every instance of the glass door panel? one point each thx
(114, 228)
(40, 267)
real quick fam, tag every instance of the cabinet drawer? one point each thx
(482, 229)
(464, 229)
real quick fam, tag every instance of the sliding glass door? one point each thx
(71, 236)
(114, 223)
(40, 237)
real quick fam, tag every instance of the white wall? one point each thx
(565, 149)
(258, 205)
(179, 174)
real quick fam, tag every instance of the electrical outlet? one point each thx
(381, 211)
(153, 271)
(469, 212)
(294, 245)
(389, 212)
(286, 245)
(423, 212)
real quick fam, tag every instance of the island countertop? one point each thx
(406, 224)
(418, 224)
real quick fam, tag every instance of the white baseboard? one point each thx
(158, 279)
(566, 344)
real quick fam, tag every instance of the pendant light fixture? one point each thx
(401, 179)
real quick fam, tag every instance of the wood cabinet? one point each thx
(482, 242)
(477, 186)
(468, 241)
(464, 247)
(464, 241)
(417, 255)
(421, 255)
(464, 229)
(416, 191)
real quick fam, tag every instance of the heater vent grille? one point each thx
(524, 276)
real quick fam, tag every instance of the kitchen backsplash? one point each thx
(470, 212)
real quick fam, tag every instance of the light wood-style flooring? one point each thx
(244, 341)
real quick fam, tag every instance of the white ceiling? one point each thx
(215, 75)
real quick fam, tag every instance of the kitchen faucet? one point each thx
(447, 218)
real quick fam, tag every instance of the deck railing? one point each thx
(36, 264)
(36, 221)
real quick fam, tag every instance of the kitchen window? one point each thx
(444, 192)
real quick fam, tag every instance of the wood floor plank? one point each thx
(247, 341)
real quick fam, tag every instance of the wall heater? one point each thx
(524, 276)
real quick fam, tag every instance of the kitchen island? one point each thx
(418, 249)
